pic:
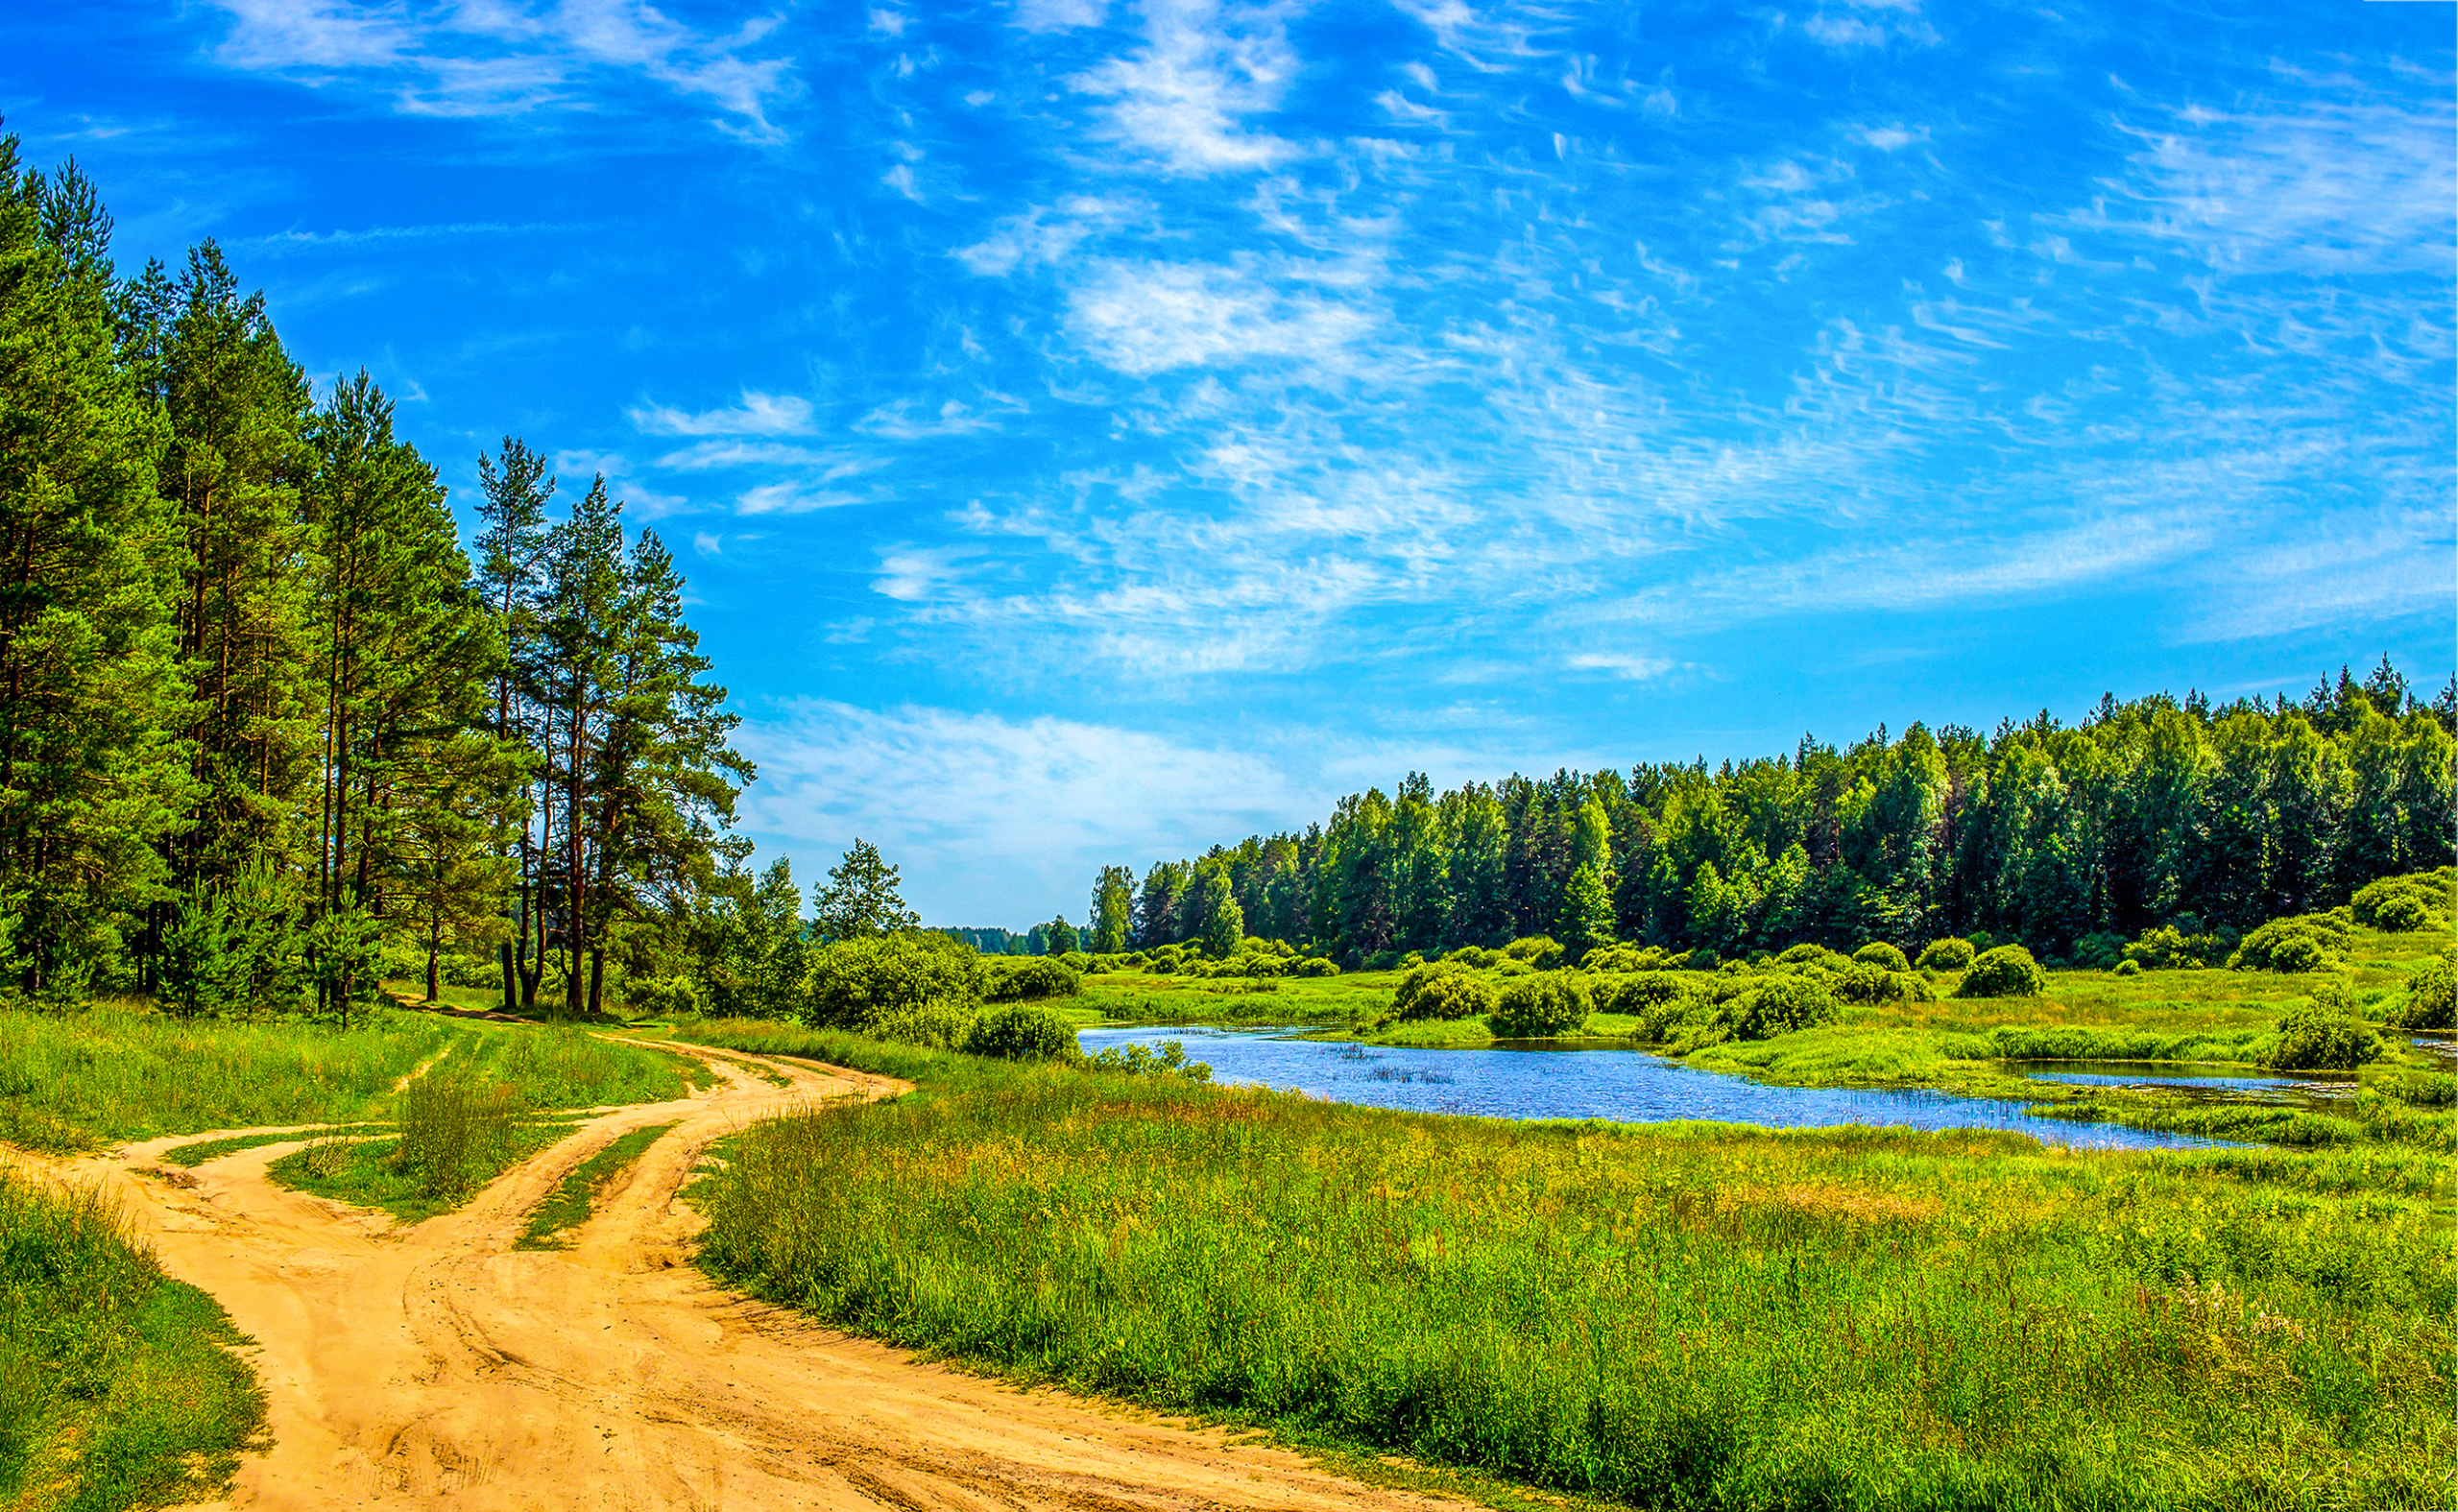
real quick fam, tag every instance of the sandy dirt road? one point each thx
(433, 1366)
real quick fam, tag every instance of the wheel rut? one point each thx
(434, 1365)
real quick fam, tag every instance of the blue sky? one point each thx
(1094, 431)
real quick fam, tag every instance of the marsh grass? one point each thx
(118, 1387)
(568, 1205)
(1681, 1315)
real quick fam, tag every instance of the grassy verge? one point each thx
(568, 1205)
(118, 1388)
(1679, 1314)
(74, 1081)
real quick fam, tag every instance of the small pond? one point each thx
(1560, 1082)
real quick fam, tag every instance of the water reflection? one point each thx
(1564, 1082)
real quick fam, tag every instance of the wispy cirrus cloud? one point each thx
(501, 56)
(757, 415)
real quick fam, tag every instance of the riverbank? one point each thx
(1696, 1315)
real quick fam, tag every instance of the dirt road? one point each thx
(432, 1365)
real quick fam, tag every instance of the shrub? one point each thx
(1867, 982)
(1982, 942)
(1634, 991)
(1475, 956)
(1138, 1060)
(1022, 1032)
(2128, 967)
(1541, 1006)
(1413, 960)
(2180, 944)
(1542, 952)
(2429, 1003)
(1316, 966)
(853, 981)
(1882, 956)
(1442, 990)
(662, 996)
(2302, 943)
(1949, 954)
(1800, 953)
(2006, 971)
(1030, 978)
(1785, 1002)
(2322, 1035)
(937, 1026)
(2400, 904)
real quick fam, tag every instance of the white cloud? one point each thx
(1147, 318)
(1042, 235)
(500, 57)
(978, 808)
(1058, 16)
(790, 498)
(1622, 664)
(758, 415)
(1184, 95)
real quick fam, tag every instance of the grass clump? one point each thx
(190, 1156)
(1682, 1315)
(568, 1205)
(118, 1388)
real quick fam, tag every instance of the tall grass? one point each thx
(69, 1082)
(561, 1066)
(117, 1388)
(457, 1132)
(1679, 1315)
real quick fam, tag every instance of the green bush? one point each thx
(2128, 967)
(1476, 955)
(1882, 956)
(2429, 1000)
(1138, 1060)
(2006, 971)
(1541, 1006)
(1633, 992)
(1316, 966)
(1867, 982)
(2322, 1035)
(1800, 953)
(663, 996)
(2402, 904)
(855, 981)
(1542, 952)
(1022, 1032)
(2303, 943)
(1445, 989)
(1029, 979)
(936, 1026)
(1781, 1004)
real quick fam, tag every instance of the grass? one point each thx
(71, 1082)
(189, 1156)
(119, 1071)
(118, 1387)
(1681, 1315)
(571, 1204)
(380, 1174)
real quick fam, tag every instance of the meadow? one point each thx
(1681, 1315)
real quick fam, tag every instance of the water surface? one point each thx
(1563, 1082)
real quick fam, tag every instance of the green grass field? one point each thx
(117, 1385)
(1677, 1315)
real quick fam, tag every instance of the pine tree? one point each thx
(90, 686)
(1224, 923)
(860, 900)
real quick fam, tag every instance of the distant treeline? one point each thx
(1035, 941)
(266, 732)
(2149, 812)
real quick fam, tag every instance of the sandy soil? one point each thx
(431, 1365)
